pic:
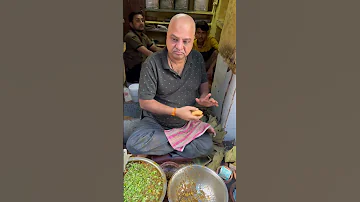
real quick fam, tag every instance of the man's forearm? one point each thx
(145, 51)
(154, 48)
(204, 89)
(155, 107)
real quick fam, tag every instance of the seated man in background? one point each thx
(172, 81)
(207, 46)
(138, 47)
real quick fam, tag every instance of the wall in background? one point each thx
(227, 44)
(224, 91)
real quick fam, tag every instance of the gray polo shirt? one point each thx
(159, 82)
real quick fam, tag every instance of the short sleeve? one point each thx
(148, 81)
(133, 41)
(149, 43)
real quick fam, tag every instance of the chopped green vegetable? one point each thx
(142, 183)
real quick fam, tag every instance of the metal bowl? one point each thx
(206, 180)
(163, 176)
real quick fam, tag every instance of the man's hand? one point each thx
(185, 113)
(211, 130)
(206, 101)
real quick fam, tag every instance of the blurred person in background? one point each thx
(138, 47)
(208, 46)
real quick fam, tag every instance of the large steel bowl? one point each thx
(163, 176)
(206, 180)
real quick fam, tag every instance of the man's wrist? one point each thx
(173, 113)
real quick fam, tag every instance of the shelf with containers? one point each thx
(159, 12)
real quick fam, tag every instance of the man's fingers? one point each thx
(198, 117)
(208, 96)
(198, 100)
(213, 101)
(192, 108)
(211, 130)
(195, 117)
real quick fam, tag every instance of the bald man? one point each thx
(172, 81)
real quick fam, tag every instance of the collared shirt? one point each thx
(210, 45)
(133, 41)
(159, 82)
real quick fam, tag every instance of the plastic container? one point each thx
(134, 90)
(152, 4)
(127, 96)
(181, 5)
(167, 4)
(135, 98)
(225, 173)
(201, 5)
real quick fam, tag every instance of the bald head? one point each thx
(180, 36)
(182, 21)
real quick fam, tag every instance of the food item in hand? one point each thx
(197, 113)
